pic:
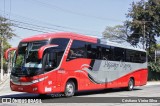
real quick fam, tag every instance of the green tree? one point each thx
(6, 30)
(117, 33)
(6, 33)
(144, 23)
(6, 46)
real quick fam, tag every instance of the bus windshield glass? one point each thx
(26, 60)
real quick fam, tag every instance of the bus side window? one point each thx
(135, 56)
(77, 50)
(143, 57)
(89, 51)
(93, 51)
(106, 53)
(130, 55)
(119, 54)
(99, 52)
(71, 54)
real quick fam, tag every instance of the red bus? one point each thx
(69, 62)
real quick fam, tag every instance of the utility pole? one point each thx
(144, 34)
(2, 57)
(144, 28)
(155, 56)
(2, 40)
(9, 63)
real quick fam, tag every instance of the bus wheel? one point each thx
(130, 84)
(69, 89)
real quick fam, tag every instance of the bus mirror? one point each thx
(6, 54)
(43, 48)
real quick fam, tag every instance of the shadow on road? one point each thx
(82, 93)
(105, 91)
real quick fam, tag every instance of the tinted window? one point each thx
(59, 51)
(53, 56)
(107, 52)
(98, 51)
(92, 52)
(129, 55)
(38, 44)
(77, 50)
(81, 49)
(143, 57)
(135, 56)
(119, 54)
(62, 42)
(22, 48)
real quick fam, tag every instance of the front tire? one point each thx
(69, 89)
(130, 84)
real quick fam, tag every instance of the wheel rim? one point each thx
(131, 85)
(69, 89)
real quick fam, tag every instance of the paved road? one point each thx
(113, 96)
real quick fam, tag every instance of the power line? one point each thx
(53, 25)
(37, 29)
(35, 25)
(10, 8)
(40, 28)
(19, 37)
(73, 12)
(29, 29)
(51, 28)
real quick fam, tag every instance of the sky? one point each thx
(89, 17)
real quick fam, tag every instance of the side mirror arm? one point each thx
(42, 49)
(6, 54)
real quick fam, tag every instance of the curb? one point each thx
(153, 83)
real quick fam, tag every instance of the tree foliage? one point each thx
(6, 30)
(145, 17)
(117, 33)
(6, 46)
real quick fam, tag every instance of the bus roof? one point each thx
(69, 35)
(76, 36)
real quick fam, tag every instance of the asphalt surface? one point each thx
(147, 95)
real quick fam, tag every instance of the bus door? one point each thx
(49, 67)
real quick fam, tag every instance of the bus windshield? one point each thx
(26, 60)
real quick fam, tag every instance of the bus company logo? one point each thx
(125, 66)
(116, 65)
